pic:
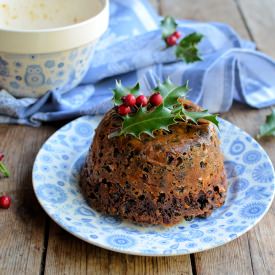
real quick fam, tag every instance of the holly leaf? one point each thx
(168, 26)
(192, 39)
(121, 91)
(4, 171)
(268, 129)
(146, 122)
(171, 93)
(196, 116)
(187, 48)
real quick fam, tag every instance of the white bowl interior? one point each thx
(45, 14)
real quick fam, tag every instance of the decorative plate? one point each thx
(250, 194)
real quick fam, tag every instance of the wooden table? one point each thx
(30, 243)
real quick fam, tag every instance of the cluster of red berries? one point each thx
(172, 39)
(130, 101)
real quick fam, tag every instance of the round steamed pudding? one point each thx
(176, 175)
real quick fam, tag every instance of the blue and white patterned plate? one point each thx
(250, 193)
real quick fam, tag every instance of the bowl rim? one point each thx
(56, 28)
(49, 40)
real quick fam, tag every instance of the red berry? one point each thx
(129, 100)
(177, 34)
(5, 202)
(123, 110)
(1, 157)
(142, 100)
(156, 99)
(171, 40)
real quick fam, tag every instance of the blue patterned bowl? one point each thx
(32, 75)
(41, 55)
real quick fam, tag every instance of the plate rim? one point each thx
(129, 251)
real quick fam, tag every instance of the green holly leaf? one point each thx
(168, 26)
(4, 171)
(195, 116)
(121, 91)
(146, 122)
(171, 93)
(192, 39)
(268, 129)
(187, 48)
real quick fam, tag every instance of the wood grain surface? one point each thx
(32, 244)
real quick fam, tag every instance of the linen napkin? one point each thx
(132, 50)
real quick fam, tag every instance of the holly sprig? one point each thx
(268, 128)
(164, 109)
(187, 48)
(3, 170)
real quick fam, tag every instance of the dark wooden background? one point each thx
(30, 243)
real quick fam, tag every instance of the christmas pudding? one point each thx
(155, 160)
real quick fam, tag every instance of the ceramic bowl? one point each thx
(47, 45)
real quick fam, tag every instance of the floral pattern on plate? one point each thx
(250, 194)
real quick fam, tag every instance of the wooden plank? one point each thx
(135, 265)
(65, 253)
(153, 265)
(22, 225)
(232, 258)
(262, 244)
(101, 261)
(211, 10)
(260, 19)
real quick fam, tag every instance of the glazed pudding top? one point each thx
(45, 14)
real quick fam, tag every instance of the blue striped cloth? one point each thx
(132, 50)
